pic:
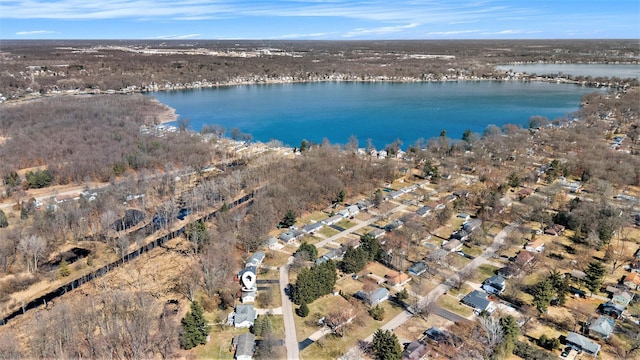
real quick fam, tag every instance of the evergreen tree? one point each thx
(542, 294)
(378, 198)
(310, 249)
(377, 313)
(514, 180)
(314, 282)
(4, 222)
(340, 197)
(289, 219)
(371, 246)
(402, 295)
(194, 328)
(560, 285)
(64, 269)
(385, 345)
(12, 179)
(354, 260)
(595, 273)
(303, 310)
(510, 331)
(466, 136)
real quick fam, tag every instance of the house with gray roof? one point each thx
(255, 259)
(612, 309)
(376, 233)
(478, 300)
(244, 316)
(290, 236)
(602, 327)
(245, 345)
(423, 211)
(580, 342)
(332, 220)
(418, 268)
(377, 296)
(311, 228)
(272, 243)
(471, 225)
(495, 285)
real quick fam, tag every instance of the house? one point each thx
(612, 309)
(415, 350)
(581, 343)
(478, 300)
(272, 243)
(438, 336)
(397, 278)
(495, 285)
(379, 295)
(376, 233)
(418, 268)
(460, 234)
(471, 225)
(623, 297)
(536, 245)
(555, 230)
(364, 204)
(463, 216)
(524, 258)
(508, 271)
(312, 228)
(245, 345)
(395, 194)
(602, 327)
(332, 220)
(256, 259)
(245, 315)
(289, 236)
(333, 254)
(349, 211)
(394, 225)
(632, 281)
(452, 245)
(423, 211)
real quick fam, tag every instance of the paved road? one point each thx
(439, 290)
(290, 338)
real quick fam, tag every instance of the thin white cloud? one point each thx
(401, 11)
(177, 37)
(35, 32)
(384, 30)
(454, 32)
(511, 32)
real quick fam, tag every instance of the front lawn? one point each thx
(452, 304)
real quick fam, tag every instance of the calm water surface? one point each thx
(382, 112)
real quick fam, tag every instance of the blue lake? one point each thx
(382, 112)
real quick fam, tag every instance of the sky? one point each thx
(320, 19)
